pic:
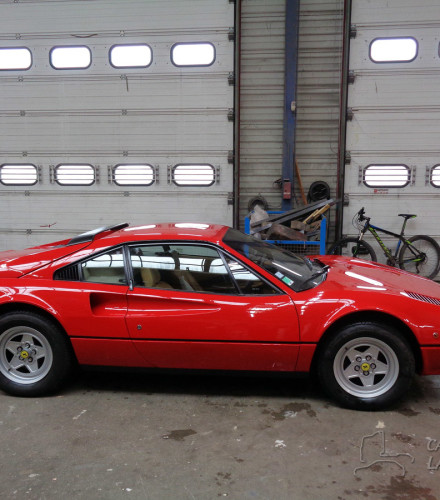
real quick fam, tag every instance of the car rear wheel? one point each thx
(366, 366)
(35, 356)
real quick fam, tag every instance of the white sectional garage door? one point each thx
(114, 111)
(393, 136)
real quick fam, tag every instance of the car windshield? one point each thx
(299, 273)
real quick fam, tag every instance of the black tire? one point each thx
(352, 247)
(35, 355)
(318, 190)
(430, 249)
(366, 366)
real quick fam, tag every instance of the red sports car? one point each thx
(200, 296)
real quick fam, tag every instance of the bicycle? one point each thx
(418, 254)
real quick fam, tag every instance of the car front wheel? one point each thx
(35, 357)
(366, 366)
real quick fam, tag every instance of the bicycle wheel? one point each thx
(420, 256)
(352, 247)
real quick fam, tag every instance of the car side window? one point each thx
(193, 268)
(105, 268)
(248, 282)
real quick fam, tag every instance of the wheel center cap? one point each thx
(24, 354)
(365, 367)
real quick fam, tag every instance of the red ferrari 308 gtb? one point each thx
(200, 296)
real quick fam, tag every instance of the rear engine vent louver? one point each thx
(67, 274)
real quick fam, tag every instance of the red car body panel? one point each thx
(221, 332)
(431, 360)
(142, 327)
(182, 355)
(106, 352)
(359, 280)
(18, 263)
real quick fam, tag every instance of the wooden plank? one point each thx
(291, 214)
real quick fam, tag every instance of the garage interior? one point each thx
(275, 98)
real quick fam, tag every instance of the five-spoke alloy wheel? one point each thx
(25, 355)
(35, 357)
(366, 366)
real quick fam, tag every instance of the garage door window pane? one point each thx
(18, 175)
(133, 175)
(194, 175)
(75, 175)
(435, 176)
(386, 175)
(130, 56)
(15, 59)
(78, 57)
(393, 50)
(193, 54)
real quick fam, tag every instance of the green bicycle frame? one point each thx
(373, 230)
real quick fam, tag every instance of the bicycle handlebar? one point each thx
(361, 214)
(360, 217)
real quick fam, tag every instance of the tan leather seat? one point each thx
(151, 278)
(187, 281)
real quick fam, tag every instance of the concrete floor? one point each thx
(156, 436)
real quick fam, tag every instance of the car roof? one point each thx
(166, 231)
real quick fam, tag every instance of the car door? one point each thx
(92, 300)
(192, 306)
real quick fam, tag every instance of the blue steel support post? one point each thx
(291, 55)
(323, 236)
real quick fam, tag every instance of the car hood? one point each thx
(364, 275)
(16, 263)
